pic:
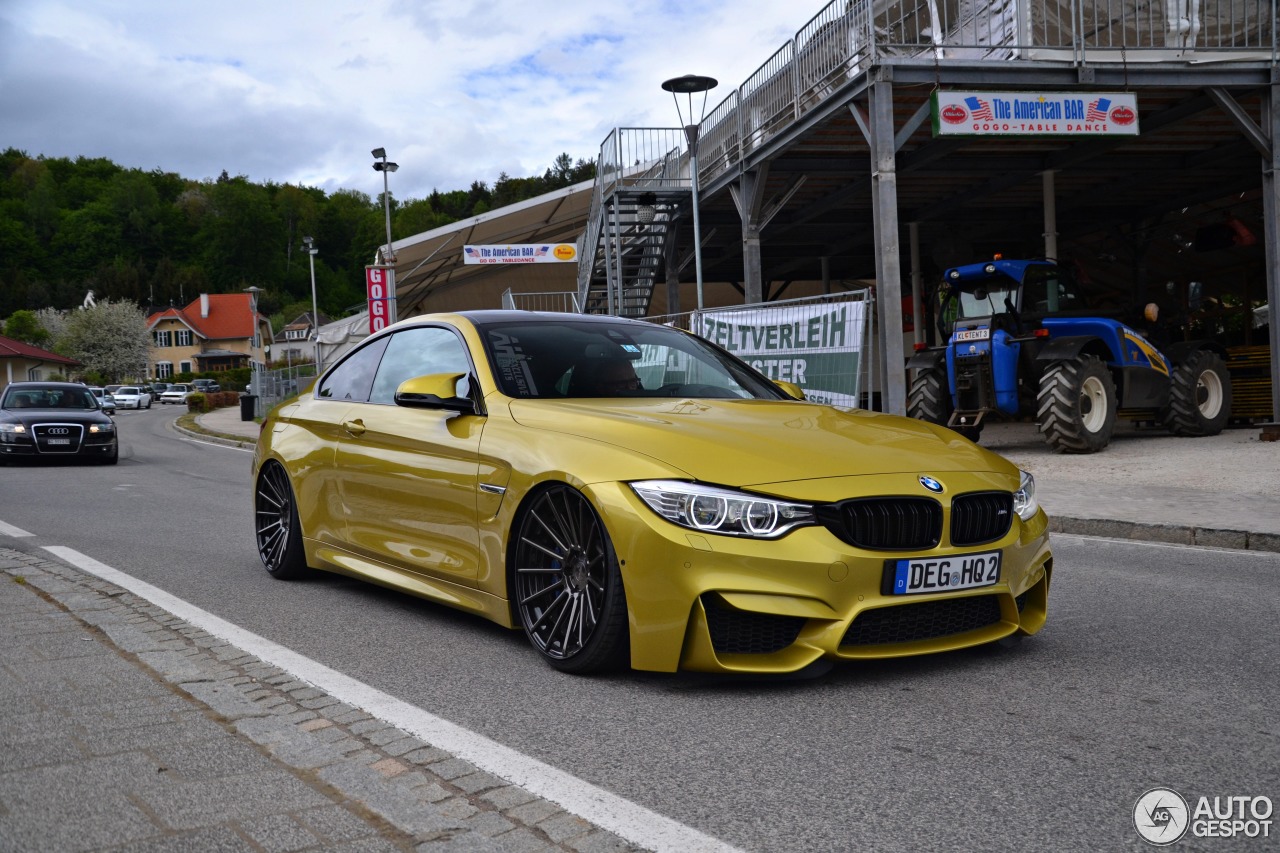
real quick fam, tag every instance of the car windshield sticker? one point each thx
(513, 364)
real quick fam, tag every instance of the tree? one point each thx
(54, 322)
(25, 326)
(110, 339)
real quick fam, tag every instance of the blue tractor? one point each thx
(1022, 342)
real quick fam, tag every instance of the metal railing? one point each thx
(560, 300)
(847, 37)
(273, 386)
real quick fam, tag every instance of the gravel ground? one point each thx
(1234, 461)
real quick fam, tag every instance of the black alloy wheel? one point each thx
(567, 586)
(279, 535)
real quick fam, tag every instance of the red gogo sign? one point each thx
(378, 285)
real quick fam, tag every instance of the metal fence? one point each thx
(559, 300)
(821, 343)
(272, 386)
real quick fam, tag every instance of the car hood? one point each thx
(41, 415)
(753, 442)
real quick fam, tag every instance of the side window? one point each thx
(418, 352)
(352, 379)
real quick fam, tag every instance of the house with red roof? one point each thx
(218, 331)
(21, 362)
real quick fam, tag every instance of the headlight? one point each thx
(102, 428)
(1024, 500)
(715, 510)
(13, 429)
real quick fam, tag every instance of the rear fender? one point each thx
(1182, 350)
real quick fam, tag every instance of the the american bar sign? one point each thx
(1035, 114)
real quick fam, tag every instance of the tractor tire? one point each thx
(1076, 406)
(929, 398)
(1199, 395)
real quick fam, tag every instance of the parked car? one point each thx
(131, 397)
(158, 388)
(105, 400)
(205, 386)
(176, 393)
(48, 420)
(631, 494)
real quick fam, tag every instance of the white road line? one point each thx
(10, 530)
(624, 818)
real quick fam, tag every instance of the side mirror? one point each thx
(791, 389)
(435, 391)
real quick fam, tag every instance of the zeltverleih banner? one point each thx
(818, 347)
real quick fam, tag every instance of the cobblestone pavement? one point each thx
(126, 728)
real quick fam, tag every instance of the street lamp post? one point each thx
(309, 243)
(388, 255)
(689, 85)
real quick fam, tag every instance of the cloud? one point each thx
(292, 93)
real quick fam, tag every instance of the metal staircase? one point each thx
(642, 189)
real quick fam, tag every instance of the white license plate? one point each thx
(59, 441)
(973, 335)
(918, 575)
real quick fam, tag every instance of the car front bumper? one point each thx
(725, 604)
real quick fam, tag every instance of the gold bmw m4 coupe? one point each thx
(630, 494)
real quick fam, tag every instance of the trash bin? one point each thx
(248, 406)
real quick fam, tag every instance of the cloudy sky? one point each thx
(296, 92)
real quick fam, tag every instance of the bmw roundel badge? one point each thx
(930, 484)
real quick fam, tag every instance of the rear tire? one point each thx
(278, 533)
(1199, 395)
(1076, 406)
(929, 398)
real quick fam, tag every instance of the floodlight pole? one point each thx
(309, 243)
(388, 255)
(688, 85)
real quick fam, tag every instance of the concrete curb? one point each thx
(215, 438)
(1173, 534)
(422, 794)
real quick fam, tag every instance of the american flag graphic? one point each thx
(542, 251)
(981, 109)
(1098, 110)
(472, 251)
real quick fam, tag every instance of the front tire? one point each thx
(1076, 406)
(929, 398)
(279, 535)
(1199, 395)
(565, 584)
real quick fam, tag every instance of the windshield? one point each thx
(989, 299)
(49, 398)
(574, 358)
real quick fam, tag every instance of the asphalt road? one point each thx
(1157, 668)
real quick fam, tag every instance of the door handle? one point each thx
(355, 427)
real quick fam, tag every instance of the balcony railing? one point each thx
(848, 36)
